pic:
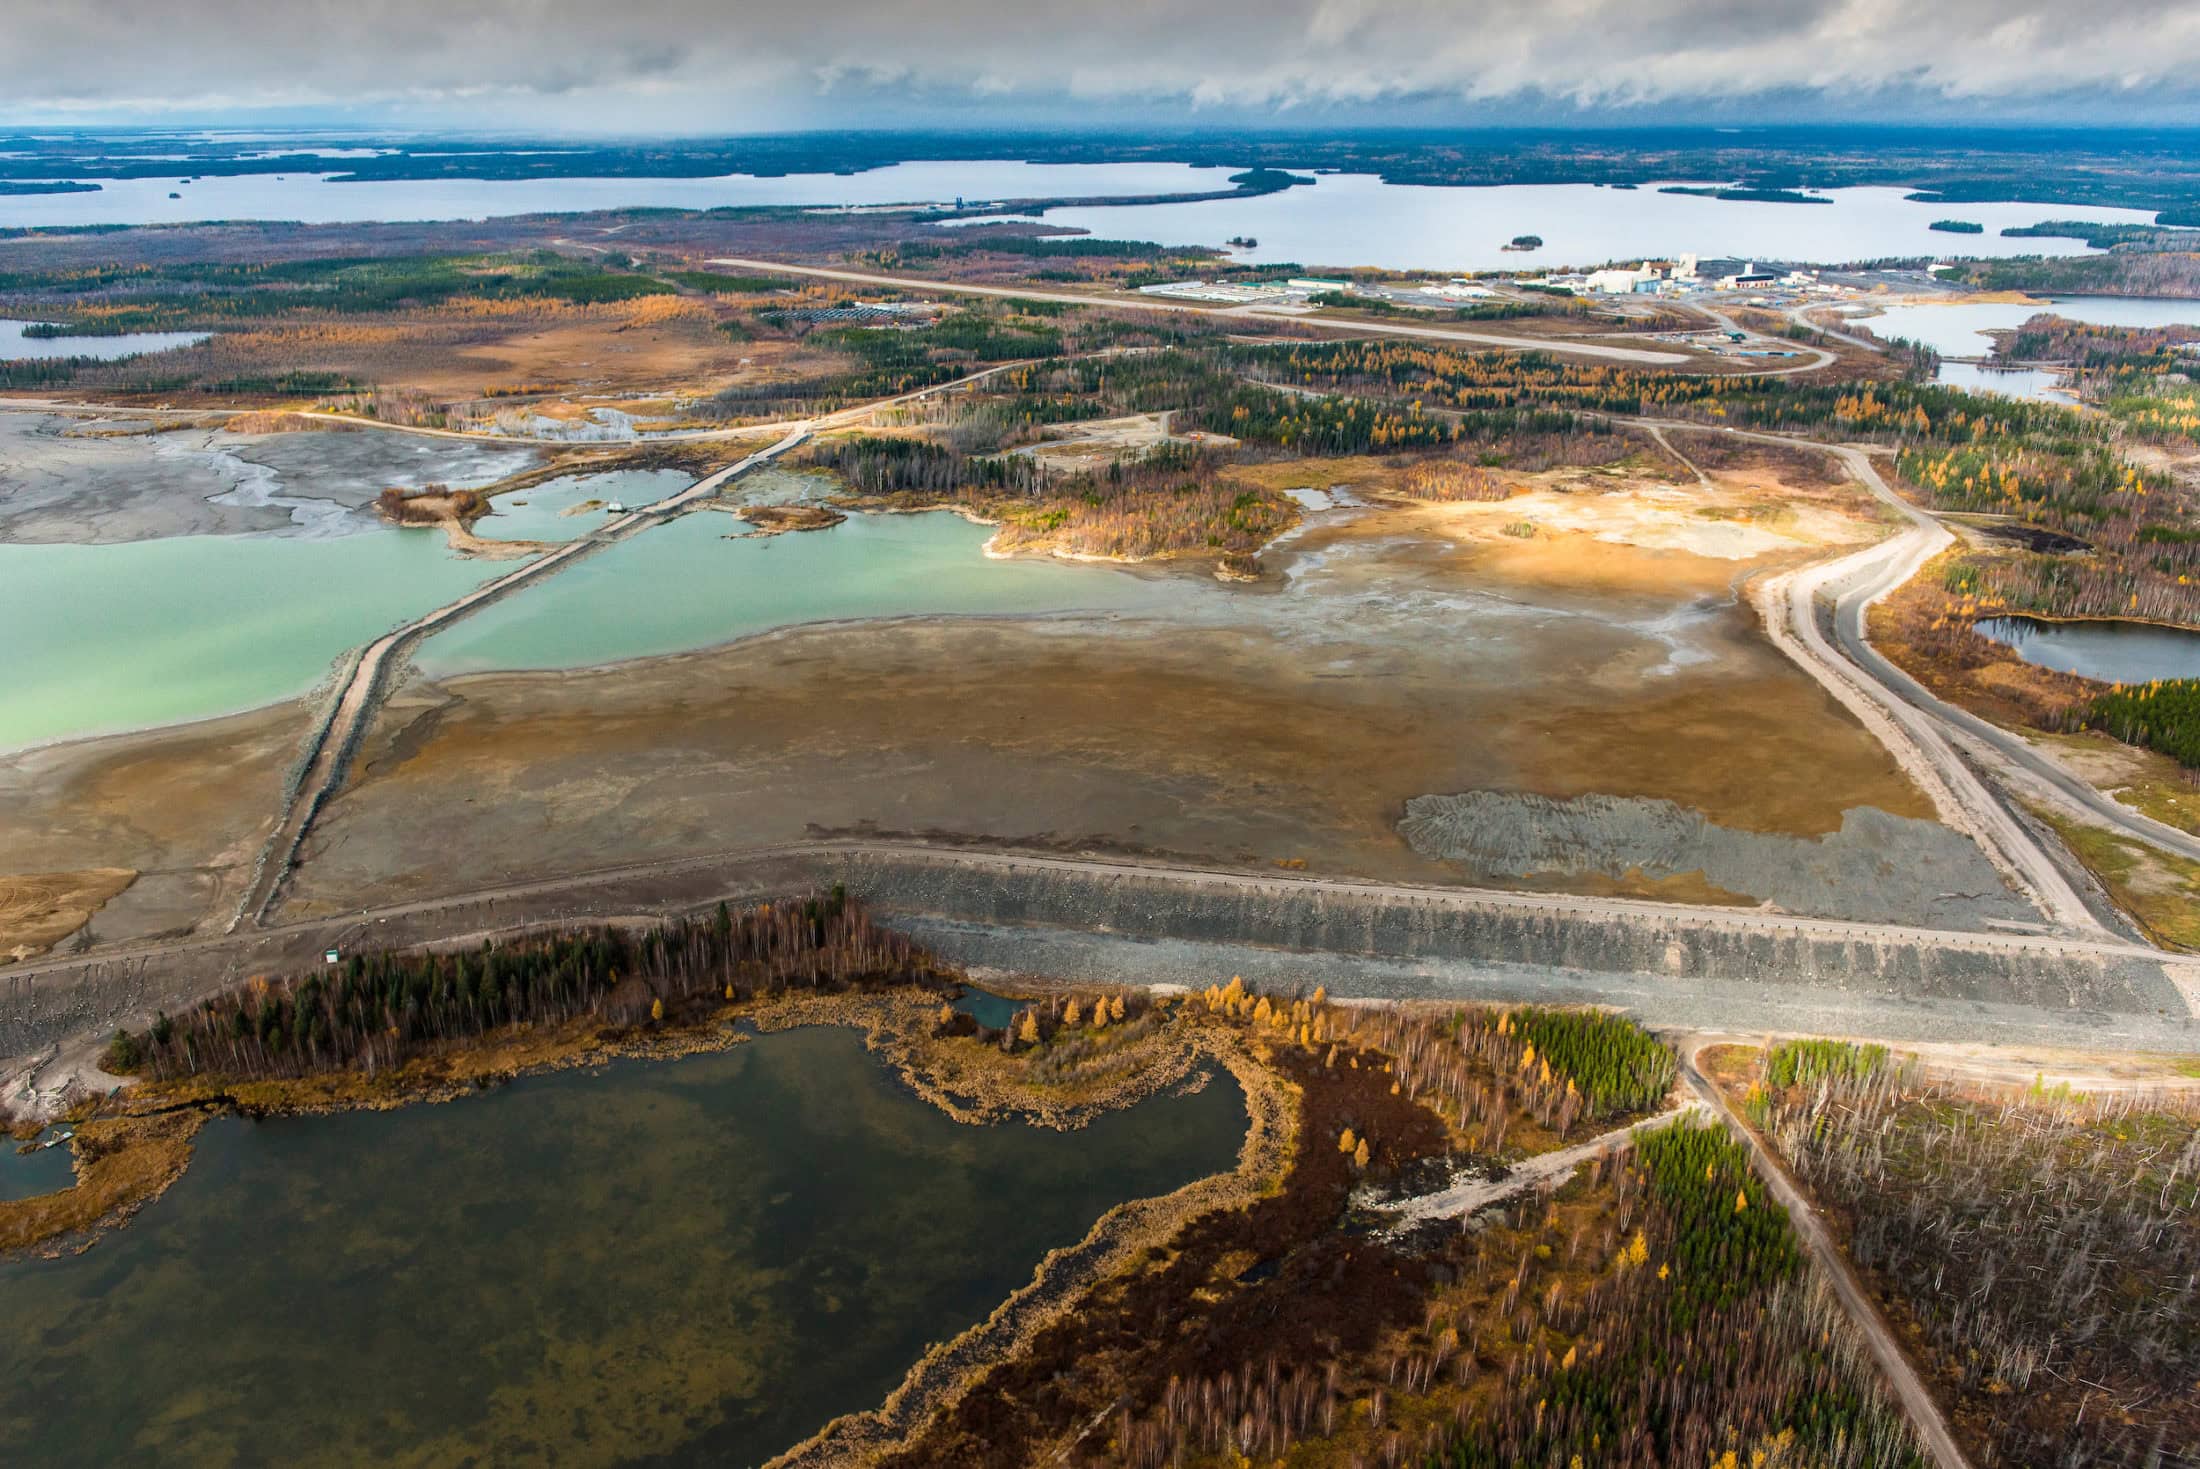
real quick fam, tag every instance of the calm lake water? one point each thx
(2115, 652)
(26, 1175)
(1357, 219)
(1959, 328)
(2037, 383)
(15, 347)
(684, 585)
(1340, 220)
(988, 1009)
(157, 632)
(687, 1262)
(313, 199)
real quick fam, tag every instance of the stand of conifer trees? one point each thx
(378, 1009)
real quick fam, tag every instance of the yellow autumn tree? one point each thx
(1028, 1032)
(656, 1009)
(1360, 1157)
(1071, 1013)
(1347, 1142)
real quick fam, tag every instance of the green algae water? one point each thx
(684, 585)
(698, 1261)
(144, 633)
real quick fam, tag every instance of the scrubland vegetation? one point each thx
(1172, 500)
(2046, 1245)
(2040, 464)
(2116, 273)
(99, 301)
(1654, 1311)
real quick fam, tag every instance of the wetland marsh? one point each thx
(675, 1262)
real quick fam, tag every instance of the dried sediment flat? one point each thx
(1875, 867)
(184, 807)
(39, 909)
(69, 479)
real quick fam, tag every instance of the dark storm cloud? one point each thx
(691, 65)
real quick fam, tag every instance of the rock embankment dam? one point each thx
(1097, 919)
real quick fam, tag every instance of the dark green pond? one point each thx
(698, 1261)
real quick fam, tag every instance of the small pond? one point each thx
(2114, 652)
(2040, 384)
(16, 347)
(48, 1169)
(683, 1262)
(992, 1011)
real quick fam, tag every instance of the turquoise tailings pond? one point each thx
(681, 1262)
(150, 633)
(683, 586)
(159, 632)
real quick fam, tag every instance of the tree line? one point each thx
(377, 1010)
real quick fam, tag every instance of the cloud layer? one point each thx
(698, 66)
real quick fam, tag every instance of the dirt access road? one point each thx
(329, 749)
(1559, 345)
(1551, 1168)
(1789, 606)
(1917, 1400)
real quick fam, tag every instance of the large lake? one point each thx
(315, 199)
(1959, 329)
(1357, 219)
(685, 1262)
(1339, 220)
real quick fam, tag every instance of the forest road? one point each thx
(1917, 1399)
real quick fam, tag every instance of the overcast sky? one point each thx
(695, 66)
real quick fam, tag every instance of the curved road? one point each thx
(1852, 604)
(1789, 603)
(1871, 689)
(1820, 357)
